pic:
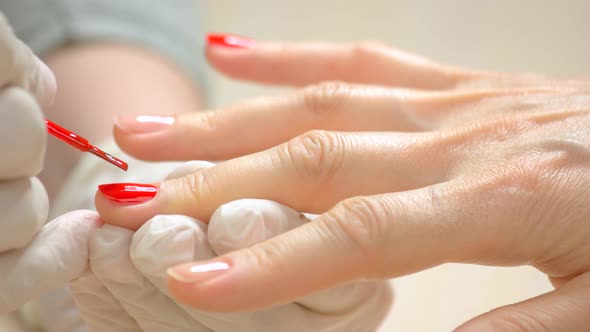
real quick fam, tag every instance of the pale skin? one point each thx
(97, 81)
(409, 163)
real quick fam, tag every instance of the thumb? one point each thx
(564, 309)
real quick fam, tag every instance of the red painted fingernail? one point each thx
(230, 41)
(128, 193)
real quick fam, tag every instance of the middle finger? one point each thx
(309, 173)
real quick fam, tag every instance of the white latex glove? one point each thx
(33, 257)
(19, 67)
(128, 292)
(57, 254)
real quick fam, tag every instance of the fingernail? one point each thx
(230, 41)
(195, 273)
(143, 124)
(128, 193)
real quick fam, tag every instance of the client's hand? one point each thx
(429, 164)
(126, 290)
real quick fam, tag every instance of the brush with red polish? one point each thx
(82, 144)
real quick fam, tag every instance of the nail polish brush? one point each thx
(82, 144)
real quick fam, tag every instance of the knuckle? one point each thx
(530, 173)
(364, 223)
(196, 185)
(208, 121)
(559, 158)
(552, 178)
(325, 97)
(519, 178)
(506, 188)
(530, 187)
(316, 153)
(488, 131)
(271, 253)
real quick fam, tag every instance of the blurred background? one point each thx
(505, 35)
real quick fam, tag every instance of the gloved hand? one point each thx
(57, 254)
(126, 290)
(33, 257)
(56, 311)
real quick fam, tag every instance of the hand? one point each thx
(33, 258)
(430, 164)
(126, 289)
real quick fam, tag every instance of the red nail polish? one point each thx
(82, 144)
(230, 41)
(128, 193)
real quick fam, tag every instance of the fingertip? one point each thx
(46, 83)
(221, 45)
(23, 119)
(143, 124)
(294, 264)
(229, 42)
(130, 217)
(226, 62)
(233, 55)
(137, 146)
(130, 205)
(157, 138)
(215, 286)
(145, 137)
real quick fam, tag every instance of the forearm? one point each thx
(97, 81)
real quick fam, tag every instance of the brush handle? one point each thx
(67, 136)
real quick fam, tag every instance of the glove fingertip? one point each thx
(45, 87)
